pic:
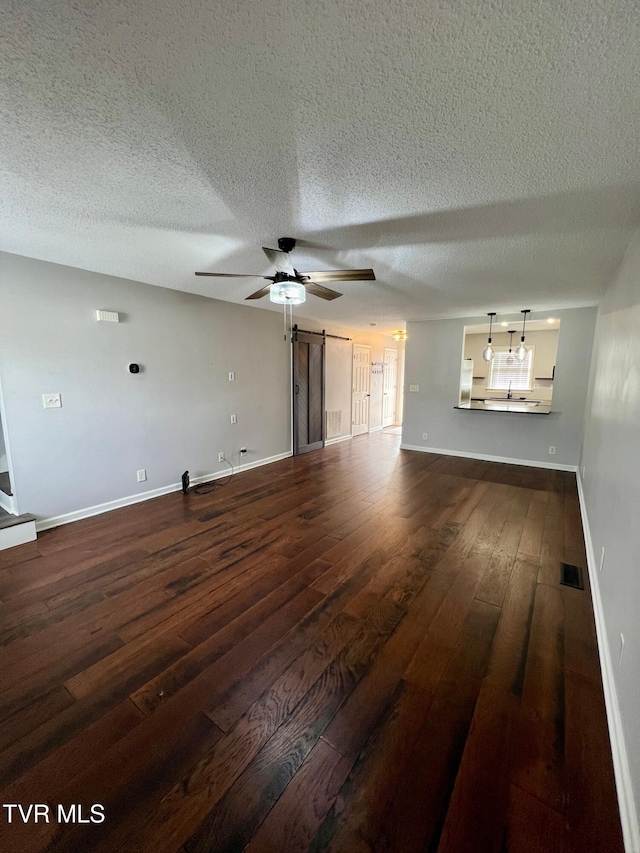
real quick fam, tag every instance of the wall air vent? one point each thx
(334, 423)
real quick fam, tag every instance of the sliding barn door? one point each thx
(308, 392)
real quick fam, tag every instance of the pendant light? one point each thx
(521, 352)
(488, 352)
(510, 358)
(400, 335)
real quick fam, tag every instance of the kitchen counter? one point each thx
(516, 406)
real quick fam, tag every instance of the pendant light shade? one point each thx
(287, 293)
(521, 352)
(488, 352)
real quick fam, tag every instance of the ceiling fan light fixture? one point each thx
(400, 335)
(287, 293)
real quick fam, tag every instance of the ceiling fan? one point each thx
(285, 272)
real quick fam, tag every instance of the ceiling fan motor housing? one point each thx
(286, 244)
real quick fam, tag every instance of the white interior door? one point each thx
(361, 389)
(390, 388)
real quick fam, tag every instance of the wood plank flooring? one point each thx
(360, 649)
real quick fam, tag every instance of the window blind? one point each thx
(518, 373)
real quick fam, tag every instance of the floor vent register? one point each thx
(571, 576)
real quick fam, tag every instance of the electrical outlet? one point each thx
(52, 401)
(621, 655)
(232, 376)
(552, 450)
(221, 457)
(425, 436)
(142, 475)
(234, 419)
(602, 559)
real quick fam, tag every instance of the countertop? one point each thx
(507, 406)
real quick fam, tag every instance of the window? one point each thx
(516, 374)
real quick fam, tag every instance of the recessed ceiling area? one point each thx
(476, 156)
(500, 325)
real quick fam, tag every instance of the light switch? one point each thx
(232, 376)
(414, 387)
(52, 401)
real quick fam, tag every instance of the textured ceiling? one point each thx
(478, 155)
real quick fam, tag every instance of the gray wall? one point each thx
(433, 356)
(611, 485)
(174, 415)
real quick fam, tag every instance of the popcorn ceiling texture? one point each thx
(477, 154)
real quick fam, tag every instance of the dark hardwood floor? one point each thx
(360, 649)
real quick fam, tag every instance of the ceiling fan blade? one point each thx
(319, 290)
(231, 275)
(259, 293)
(341, 275)
(280, 260)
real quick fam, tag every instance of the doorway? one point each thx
(361, 395)
(7, 497)
(390, 386)
(308, 391)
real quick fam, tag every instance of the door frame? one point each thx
(9, 503)
(353, 368)
(395, 402)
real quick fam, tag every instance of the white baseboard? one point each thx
(336, 440)
(19, 534)
(88, 512)
(530, 463)
(624, 787)
(375, 429)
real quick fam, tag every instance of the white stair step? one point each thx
(16, 529)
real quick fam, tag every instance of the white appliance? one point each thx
(466, 381)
